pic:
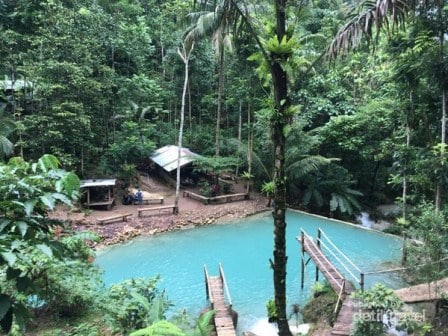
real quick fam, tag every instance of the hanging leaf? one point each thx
(71, 184)
(48, 162)
(48, 200)
(45, 249)
(9, 257)
(23, 227)
(29, 207)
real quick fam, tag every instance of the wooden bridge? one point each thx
(218, 294)
(320, 251)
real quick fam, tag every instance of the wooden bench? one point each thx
(123, 217)
(230, 197)
(160, 208)
(196, 197)
(207, 200)
(155, 199)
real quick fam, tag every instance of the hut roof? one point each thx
(166, 157)
(98, 183)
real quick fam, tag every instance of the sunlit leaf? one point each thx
(23, 227)
(48, 200)
(29, 206)
(45, 249)
(10, 258)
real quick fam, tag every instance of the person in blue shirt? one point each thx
(139, 196)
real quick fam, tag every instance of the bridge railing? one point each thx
(324, 268)
(323, 242)
(225, 286)
(208, 291)
(340, 255)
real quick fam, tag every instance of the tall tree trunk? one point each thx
(442, 23)
(184, 54)
(279, 121)
(189, 107)
(240, 127)
(219, 107)
(249, 145)
(405, 164)
(438, 202)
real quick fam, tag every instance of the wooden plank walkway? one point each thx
(223, 318)
(330, 272)
(223, 310)
(344, 321)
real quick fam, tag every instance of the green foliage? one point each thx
(205, 189)
(69, 288)
(378, 300)
(217, 165)
(204, 324)
(379, 297)
(132, 144)
(134, 304)
(7, 126)
(268, 188)
(321, 306)
(27, 246)
(160, 328)
(425, 258)
(272, 311)
(328, 190)
(284, 47)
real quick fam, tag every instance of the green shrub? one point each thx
(71, 287)
(376, 302)
(320, 308)
(134, 304)
(394, 229)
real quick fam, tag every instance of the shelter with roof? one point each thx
(165, 159)
(98, 192)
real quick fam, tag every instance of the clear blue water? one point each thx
(244, 249)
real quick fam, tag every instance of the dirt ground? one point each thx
(191, 213)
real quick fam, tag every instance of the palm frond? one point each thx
(242, 150)
(306, 165)
(378, 15)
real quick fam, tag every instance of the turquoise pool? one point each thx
(244, 248)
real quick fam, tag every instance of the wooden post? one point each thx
(302, 279)
(361, 283)
(319, 235)
(206, 283)
(404, 257)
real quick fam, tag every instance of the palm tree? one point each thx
(379, 15)
(217, 20)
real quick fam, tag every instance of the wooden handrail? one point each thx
(320, 233)
(208, 292)
(224, 282)
(341, 292)
(359, 280)
(305, 235)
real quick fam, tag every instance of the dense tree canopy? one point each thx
(99, 84)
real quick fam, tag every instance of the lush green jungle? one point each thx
(329, 106)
